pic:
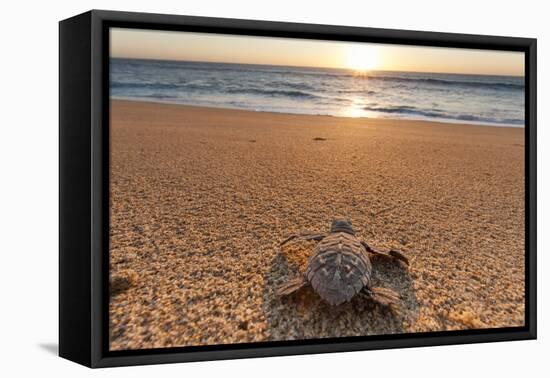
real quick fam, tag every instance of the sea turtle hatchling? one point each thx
(340, 267)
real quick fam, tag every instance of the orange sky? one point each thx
(149, 44)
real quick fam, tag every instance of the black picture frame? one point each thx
(84, 184)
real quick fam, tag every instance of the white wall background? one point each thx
(29, 186)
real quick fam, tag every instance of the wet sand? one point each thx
(201, 197)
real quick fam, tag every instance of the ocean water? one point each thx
(479, 99)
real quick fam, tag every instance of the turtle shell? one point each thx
(339, 267)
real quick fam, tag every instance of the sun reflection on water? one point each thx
(356, 109)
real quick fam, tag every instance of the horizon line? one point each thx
(321, 67)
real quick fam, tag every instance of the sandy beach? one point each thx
(201, 198)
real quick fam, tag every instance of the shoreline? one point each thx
(388, 119)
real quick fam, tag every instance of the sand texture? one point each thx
(201, 198)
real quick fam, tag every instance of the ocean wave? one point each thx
(449, 80)
(159, 86)
(494, 85)
(221, 89)
(446, 82)
(356, 91)
(405, 110)
(116, 85)
(298, 86)
(439, 114)
(271, 92)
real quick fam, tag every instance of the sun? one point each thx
(362, 58)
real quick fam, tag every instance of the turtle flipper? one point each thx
(399, 256)
(384, 296)
(392, 253)
(291, 286)
(303, 236)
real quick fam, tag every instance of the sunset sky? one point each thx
(150, 44)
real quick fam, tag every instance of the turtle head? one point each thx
(341, 225)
